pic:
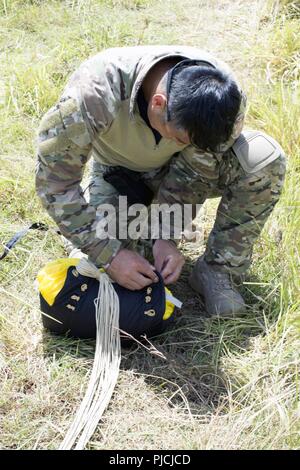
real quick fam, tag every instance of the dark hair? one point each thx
(204, 101)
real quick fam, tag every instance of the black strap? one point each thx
(11, 243)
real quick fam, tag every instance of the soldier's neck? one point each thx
(153, 79)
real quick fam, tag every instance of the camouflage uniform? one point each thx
(97, 116)
(247, 200)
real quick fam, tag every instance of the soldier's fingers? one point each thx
(169, 267)
(174, 270)
(173, 277)
(147, 270)
(159, 263)
(142, 281)
(131, 285)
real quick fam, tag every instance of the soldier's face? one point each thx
(169, 131)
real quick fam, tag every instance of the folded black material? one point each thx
(129, 183)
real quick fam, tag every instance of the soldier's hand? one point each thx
(131, 270)
(168, 260)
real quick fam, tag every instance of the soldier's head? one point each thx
(195, 104)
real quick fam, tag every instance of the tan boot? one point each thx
(220, 296)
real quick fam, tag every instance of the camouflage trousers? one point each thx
(247, 200)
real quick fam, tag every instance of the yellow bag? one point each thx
(52, 277)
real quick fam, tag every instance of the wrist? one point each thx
(105, 259)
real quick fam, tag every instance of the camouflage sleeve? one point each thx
(64, 144)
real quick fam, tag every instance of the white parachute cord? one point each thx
(106, 364)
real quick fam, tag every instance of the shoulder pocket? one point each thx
(62, 126)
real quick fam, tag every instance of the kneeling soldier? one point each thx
(163, 122)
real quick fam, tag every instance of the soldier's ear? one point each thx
(158, 103)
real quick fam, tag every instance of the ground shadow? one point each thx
(194, 345)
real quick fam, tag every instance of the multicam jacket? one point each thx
(98, 116)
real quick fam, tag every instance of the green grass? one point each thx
(231, 384)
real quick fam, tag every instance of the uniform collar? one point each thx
(147, 67)
(139, 80)
(206, 59)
